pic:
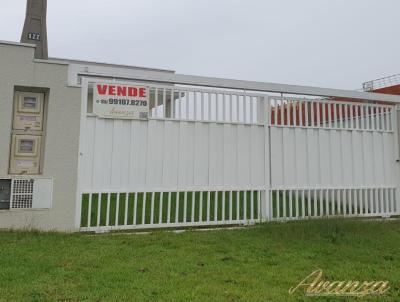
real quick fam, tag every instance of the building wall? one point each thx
(389, 90)
(18, 68)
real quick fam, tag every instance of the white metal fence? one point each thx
(331, 114)
(218, 157)
(140, 210)
(206, 105)
(301, 203)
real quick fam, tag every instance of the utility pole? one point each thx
(35, 28)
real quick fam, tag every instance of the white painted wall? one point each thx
(18, 68)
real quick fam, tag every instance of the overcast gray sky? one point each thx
(328, 43)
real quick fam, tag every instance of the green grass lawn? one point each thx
(258, 263)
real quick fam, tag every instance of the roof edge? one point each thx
(105, 64)
(192, 80)
(3, 42)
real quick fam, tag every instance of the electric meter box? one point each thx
(28, 111)
(25, 154)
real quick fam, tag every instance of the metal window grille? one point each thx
(22, 194)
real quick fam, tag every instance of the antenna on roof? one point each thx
(35, 28)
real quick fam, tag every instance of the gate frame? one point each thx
(84, 77)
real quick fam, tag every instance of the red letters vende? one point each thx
(122, 90)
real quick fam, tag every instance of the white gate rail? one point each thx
(206, 105)
(331, 114)
(302, 203)
(147, 210)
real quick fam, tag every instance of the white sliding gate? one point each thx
(221, 157)
(333, 158)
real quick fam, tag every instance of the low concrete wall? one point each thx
(18, 68)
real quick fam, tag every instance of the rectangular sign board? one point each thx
(121, 101)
